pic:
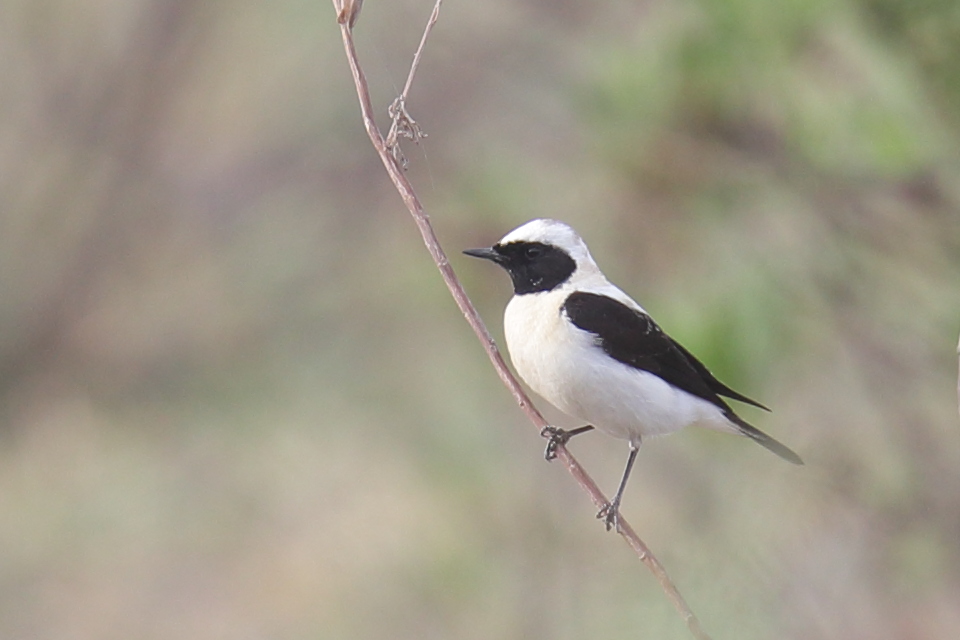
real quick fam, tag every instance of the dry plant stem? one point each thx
(416, 56)
(476, 323)
(402, 99)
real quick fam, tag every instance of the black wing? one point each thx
(632, 337)
(715, 385)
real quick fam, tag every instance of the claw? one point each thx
(555, 437)
(610, 515)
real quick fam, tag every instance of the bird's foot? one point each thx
(610, 515)
(557, 437)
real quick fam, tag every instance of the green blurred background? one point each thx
(236, 400)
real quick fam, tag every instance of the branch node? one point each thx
(348, 11)
(402, 125)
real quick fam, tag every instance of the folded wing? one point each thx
(633, 338)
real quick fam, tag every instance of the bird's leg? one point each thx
(610, 513)
(558, 436)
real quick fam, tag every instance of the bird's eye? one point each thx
(533, 252)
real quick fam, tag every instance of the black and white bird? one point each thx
(594, 353)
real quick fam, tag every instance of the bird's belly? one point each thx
(565, 366)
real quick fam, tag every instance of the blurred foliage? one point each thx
(236, 400)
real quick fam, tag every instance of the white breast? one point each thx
(564, 364)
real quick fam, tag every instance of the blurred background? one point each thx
(236, 400)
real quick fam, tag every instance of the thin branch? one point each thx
(958, 378)
(401, 122)
(423, 41)
(395, 171)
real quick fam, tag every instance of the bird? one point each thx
(593, 352)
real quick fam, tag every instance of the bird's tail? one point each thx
(763, 439)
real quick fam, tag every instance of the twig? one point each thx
(958, 377)
(395, 171)
(401, 122)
